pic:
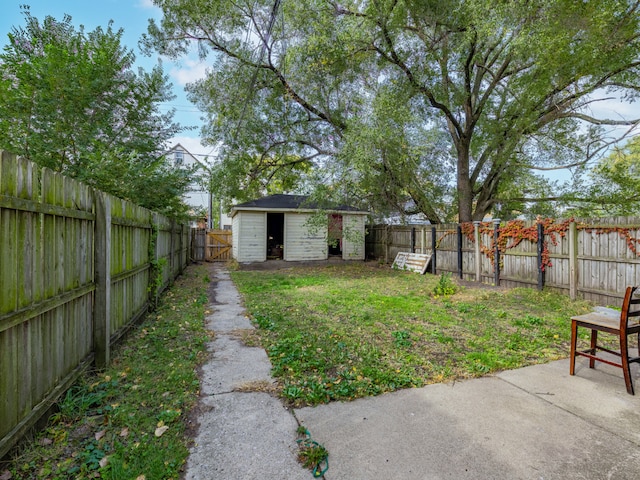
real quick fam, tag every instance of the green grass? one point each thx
(353, 330)
(130, 421)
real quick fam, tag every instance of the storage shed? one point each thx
(284, 227)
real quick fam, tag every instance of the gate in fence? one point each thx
(218, 246)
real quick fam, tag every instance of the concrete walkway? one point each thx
(243, 433)
(532, 423)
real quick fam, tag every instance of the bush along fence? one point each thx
(593, 259)
(77, 268)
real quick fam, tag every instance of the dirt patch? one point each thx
(248, 336)
(262, 386)
(213, 283)
(282, 264)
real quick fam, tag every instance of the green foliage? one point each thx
(445, 286)
(614, 187)
(339, 333)
(453, 127)
(111, 424)
(312, 455)
(402, 338)
(71, 101)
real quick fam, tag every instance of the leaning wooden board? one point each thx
(416, 262)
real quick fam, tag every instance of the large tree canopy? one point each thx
(71, 101)
(614, 186)
(456, 105)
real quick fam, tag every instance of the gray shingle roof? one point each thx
(293, 202)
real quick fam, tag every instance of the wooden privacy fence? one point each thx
(77, 268)
(593, 259)
(210, 245)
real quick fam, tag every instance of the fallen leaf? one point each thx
(100, 434)
(124, 432)
(160, 431)
(45, 441)
(104, 461)
(6, 475)
(141, 477)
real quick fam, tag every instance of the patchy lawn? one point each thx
(352, 330)
(132, 420)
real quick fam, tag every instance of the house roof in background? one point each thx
(179, 147)
(291, 202)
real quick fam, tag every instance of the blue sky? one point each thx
(132, 16)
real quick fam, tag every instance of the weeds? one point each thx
(130, 421)
(311, 454)
(338, 333)
(445, 286)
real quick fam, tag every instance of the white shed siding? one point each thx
(353, 237)
(300, 243)
(251, 232)
(235, 235)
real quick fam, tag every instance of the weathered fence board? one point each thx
(57, 312)
(604, 261)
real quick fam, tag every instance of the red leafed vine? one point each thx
(514, 232)
(511, 234)
(623, 232)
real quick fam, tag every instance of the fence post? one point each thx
(172, 247)
(180, 250)
(573, 261)
(540, 249)
(413, 239)
(423, 240)
(478, 258)
(496, 257)
(157, 278)
(434, 239)
(102, 313)
(459, 231)
(386, 244)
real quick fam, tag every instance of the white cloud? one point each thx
(188, 71)
(146, 4)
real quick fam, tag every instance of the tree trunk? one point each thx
(465, 190)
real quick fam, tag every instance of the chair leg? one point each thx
(594, 343)
(624, 354)
(574, 340)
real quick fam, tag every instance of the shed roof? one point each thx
(290, 202)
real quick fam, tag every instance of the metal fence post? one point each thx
(496, 258)
(540, 250)
(459, 231)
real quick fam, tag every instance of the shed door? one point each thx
(275, 235)
(335, 234)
